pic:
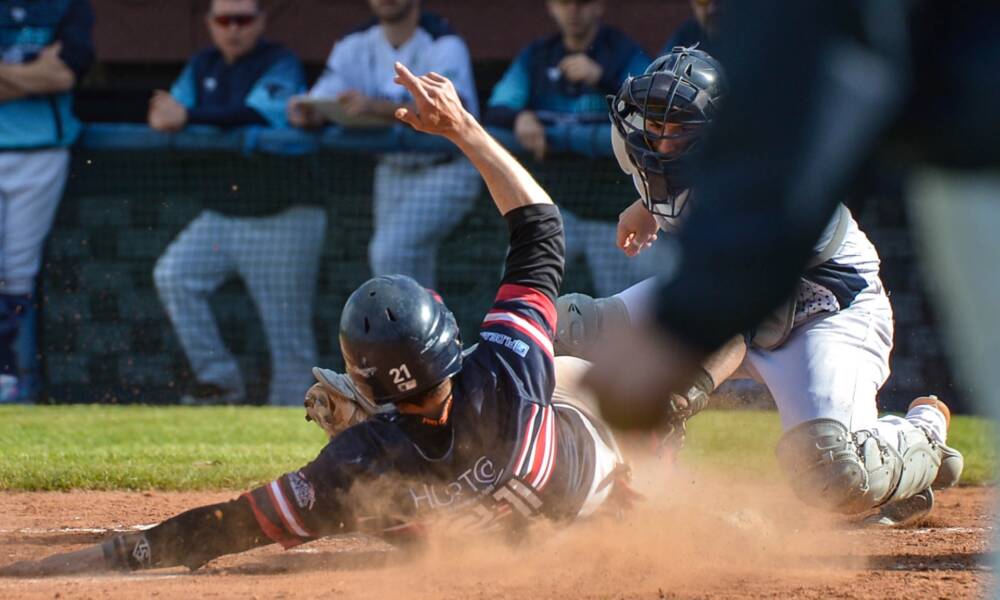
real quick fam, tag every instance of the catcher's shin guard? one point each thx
(835, 469)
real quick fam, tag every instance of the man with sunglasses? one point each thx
(273, 246)
(823, 354)
(564, 78)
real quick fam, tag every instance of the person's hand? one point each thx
(302, 115)
(636, 229)
(355, 103)
(439, 110)
(49, 62)
(530, 133)
(166, 113)
(635, 372)
(580, 68)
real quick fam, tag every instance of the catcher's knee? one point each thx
(835, 469)
(582, 321)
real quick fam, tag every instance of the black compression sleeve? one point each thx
(191, 538)
(536, 257)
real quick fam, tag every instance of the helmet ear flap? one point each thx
(625, 161)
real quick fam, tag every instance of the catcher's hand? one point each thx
(681, 407)
(334, 404)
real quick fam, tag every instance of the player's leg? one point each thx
(835, 451)
(31, 186)
(193, 266)
(415, 209)
(611, 473)
(278, 258)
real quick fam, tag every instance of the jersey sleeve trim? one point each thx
(536, 459)
(531, 329)
(287, 514)
(532, 297)
(277, 516)
(270, 529)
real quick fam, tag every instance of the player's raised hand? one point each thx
(636, 229)
(439, 109)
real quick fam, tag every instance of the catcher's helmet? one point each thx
(658, 117)
(398, 339)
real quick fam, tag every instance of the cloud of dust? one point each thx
(693, 531)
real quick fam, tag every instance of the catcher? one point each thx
(823, 355)
(477, 432)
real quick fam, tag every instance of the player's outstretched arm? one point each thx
(439, 111)
(189, 539)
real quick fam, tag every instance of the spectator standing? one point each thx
(566, 78)
(700, 29)
(418, 197)
(45, 48)
(241, 80)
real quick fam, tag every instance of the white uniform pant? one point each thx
(31, 185)
(415, 209)
(831, 367)
(278, 259)
(569, 394)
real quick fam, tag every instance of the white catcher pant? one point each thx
(278, 259)
(831, 367)
(31, 185)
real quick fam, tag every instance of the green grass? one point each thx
(173, 448)
(138, 447)
(744, 441)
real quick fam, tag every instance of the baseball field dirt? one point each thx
(693, 536)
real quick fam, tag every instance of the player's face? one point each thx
(707, 14)
(235, 26)
(392, 11)
(576, 18)
(669, 138)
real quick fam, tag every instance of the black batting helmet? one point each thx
(657, 118)
(398, 339)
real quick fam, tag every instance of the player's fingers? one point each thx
(410, 81)
(437, 78)
(623, 236)
(407, 116)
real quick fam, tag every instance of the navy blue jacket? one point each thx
(534, 82)
(252, 91)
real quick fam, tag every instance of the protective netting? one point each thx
(259, 242)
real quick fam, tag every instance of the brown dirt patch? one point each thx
(697, 537)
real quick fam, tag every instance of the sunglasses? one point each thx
(240, 20)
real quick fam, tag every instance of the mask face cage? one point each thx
(661, 116)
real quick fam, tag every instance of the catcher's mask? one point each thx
(398, 339)
(657, 120)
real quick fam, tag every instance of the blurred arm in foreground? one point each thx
(847, 82)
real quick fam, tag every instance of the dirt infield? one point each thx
(703, 538)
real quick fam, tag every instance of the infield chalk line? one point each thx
(43, 531)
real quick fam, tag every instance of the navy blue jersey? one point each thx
(503, 453)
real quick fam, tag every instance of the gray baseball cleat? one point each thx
(904, 512)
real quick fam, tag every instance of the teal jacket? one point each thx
(26, 28)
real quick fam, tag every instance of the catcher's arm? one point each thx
(693, 398)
